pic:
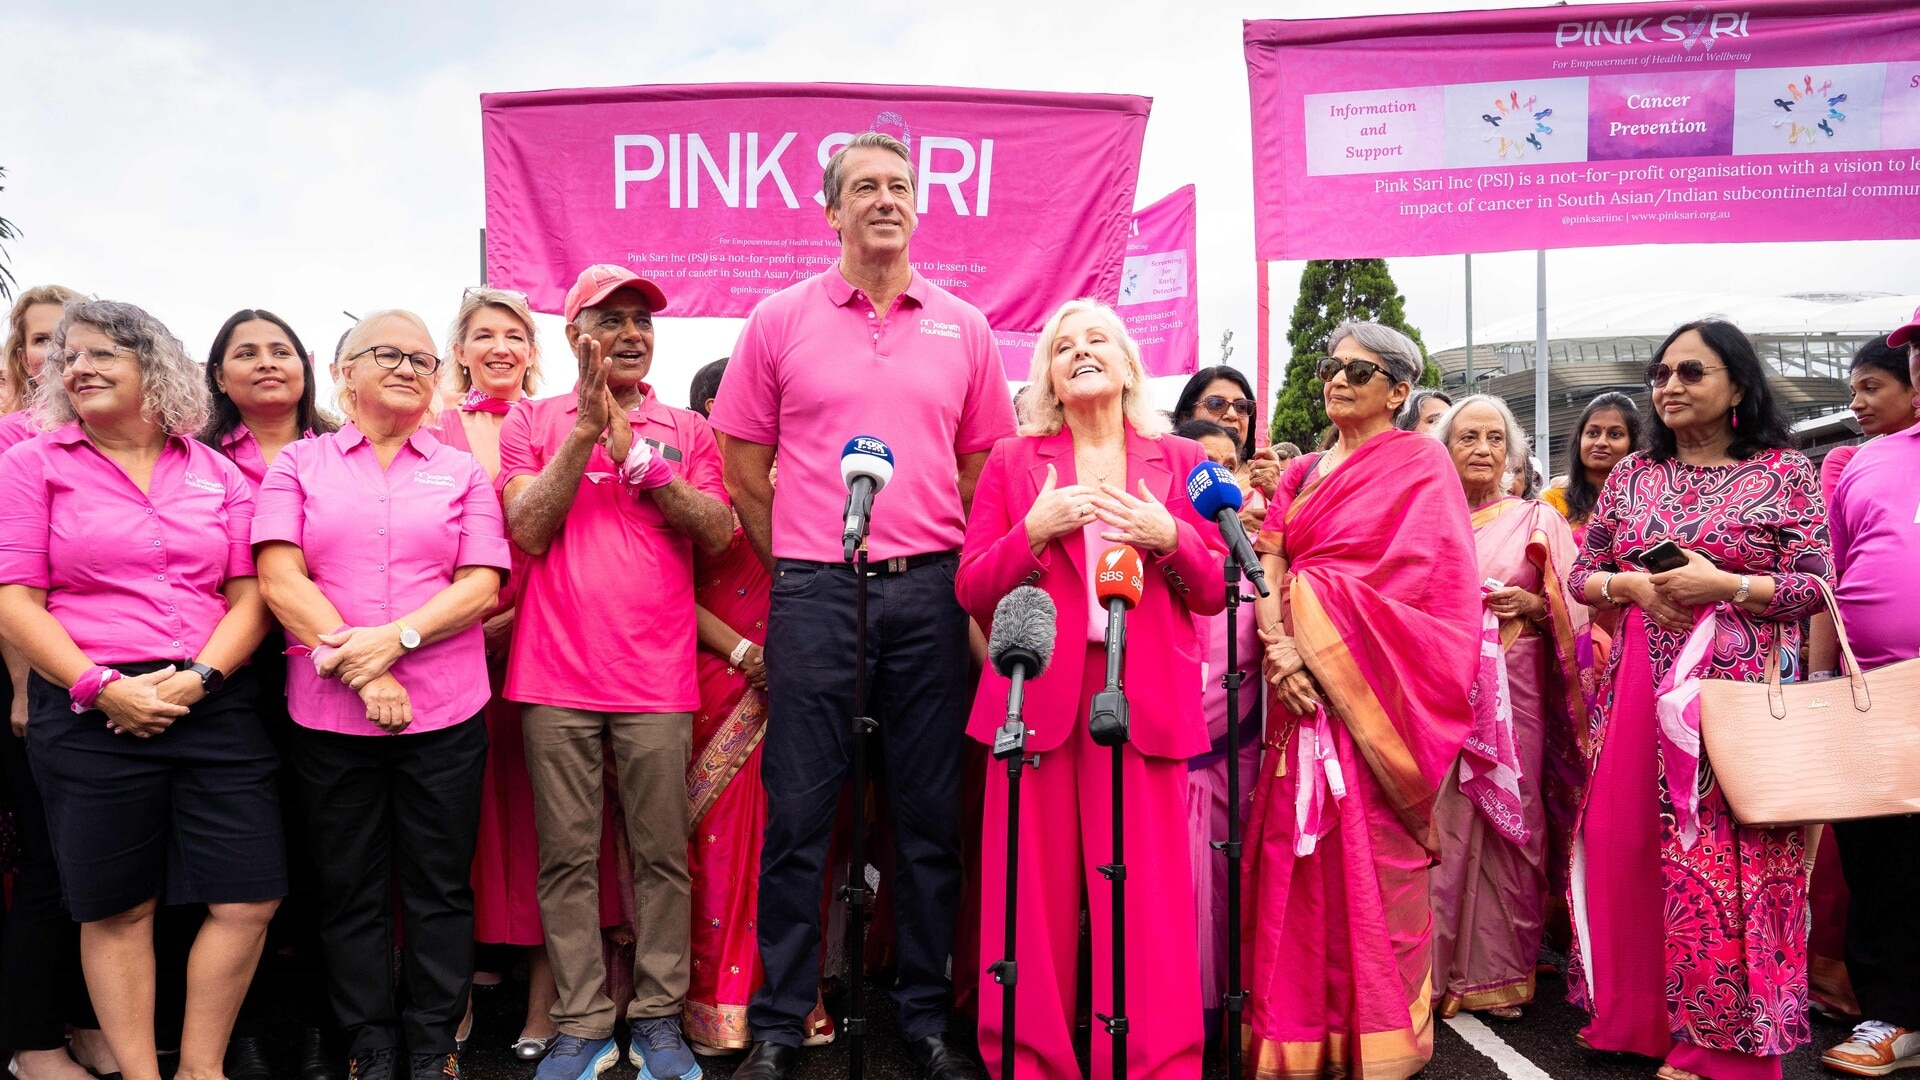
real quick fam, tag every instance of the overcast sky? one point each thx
(198, 157)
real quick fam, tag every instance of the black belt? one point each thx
(899, 564)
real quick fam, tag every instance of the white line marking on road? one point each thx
(1481, 1038)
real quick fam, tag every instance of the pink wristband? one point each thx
(86, 690)
(653, 472)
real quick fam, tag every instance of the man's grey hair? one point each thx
(1396, 350)
(173, 388)
(836, 165)
(1518, 445)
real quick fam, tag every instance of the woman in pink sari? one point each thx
(1372, 641)
(1691, 930)
(1519, 778)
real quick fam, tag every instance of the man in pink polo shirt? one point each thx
(609, 491)
(867, 348)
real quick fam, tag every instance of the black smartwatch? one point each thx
(211, 678)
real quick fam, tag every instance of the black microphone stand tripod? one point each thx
(855, 894)
(1109, 726)
(1234, 999)
(1010, 746)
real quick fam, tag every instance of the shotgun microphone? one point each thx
(1019, 646)
(1213, 492)
(1118, 581)
(865, 466)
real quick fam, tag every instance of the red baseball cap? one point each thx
(1907, 333)
(602, 280)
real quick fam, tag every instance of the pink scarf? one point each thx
(1677, 704)
(478, 400)
(1490, 759)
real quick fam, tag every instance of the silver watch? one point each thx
(1740, 595)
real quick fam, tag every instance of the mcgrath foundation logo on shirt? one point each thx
(195, 480)
(939, 329)
(432, 479)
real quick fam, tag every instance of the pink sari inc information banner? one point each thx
(1585, 126)
(714, 190)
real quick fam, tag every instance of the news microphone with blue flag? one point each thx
(1213, 492)
(865, 466)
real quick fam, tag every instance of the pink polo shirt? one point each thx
(17, 427)
(379, 544)
(815, 366)
(606, 620)
(1875, 521)
(131, 575)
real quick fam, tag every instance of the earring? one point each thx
(1736, 419)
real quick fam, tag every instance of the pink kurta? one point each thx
(1727, 992)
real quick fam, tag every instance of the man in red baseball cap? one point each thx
(609, 492)
(1908, 337)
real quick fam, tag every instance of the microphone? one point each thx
(1019, 647)
(1211, 489)
(1118, 581)
(865, 466)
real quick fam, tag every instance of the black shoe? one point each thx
(940, 1061)
(768, 1061)
(316, 1060)
(247, 1060)
(376, 1064)
(433, 1067)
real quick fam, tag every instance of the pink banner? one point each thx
(714, 191)
(1159, 296)
(1585, 126)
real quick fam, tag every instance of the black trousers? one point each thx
(291, 968)
(920, 694)
(382, 809)
(1881, 860)
(41, 987)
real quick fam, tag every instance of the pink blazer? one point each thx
(1163, 652)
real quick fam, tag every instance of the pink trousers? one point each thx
(1066, 815)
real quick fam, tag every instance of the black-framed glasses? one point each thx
(1359, 372)
(101, 359)
(388, 357)
(1214, 403)
(1690, 372)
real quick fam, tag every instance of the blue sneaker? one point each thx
(575, 1058)
(659, 1051)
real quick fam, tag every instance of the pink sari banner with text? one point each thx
(1159, 293)
(1585, 126)
(714, 190)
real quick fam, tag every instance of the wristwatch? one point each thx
(211, 678)
(409, 637)
(1740, 594)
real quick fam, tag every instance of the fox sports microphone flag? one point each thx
(713, 191)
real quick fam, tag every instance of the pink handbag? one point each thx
(1812, 752)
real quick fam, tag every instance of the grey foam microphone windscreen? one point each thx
(1023, 631)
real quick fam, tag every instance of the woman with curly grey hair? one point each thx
(127, 581)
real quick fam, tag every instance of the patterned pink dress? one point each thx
(1733, 907)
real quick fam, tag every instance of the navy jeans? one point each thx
(920, 695)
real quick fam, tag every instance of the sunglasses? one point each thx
(1214, 403)
(1690, 372)
(1359, 372)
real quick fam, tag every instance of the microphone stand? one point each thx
(855, 893)
(1010, 746)
(1234, 1000)
(1109, 727)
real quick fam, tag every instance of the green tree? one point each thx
(7, 232)
(1333, 291)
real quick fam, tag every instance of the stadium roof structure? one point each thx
(1653, 315)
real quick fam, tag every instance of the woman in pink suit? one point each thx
(1091, 468)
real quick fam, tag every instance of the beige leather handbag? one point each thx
(1806, 753)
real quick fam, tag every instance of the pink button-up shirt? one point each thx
(815, 366)
(243, 450)
(379, 544)
(131, 575)
(606, 618)
(17, 427)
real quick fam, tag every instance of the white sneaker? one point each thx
(1875, 1049)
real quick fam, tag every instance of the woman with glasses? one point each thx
(381, 549)
(1423, 410)
(262, 387)
(1691, 944)
(1372, 641)
(126, 580)
(1223, 395)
